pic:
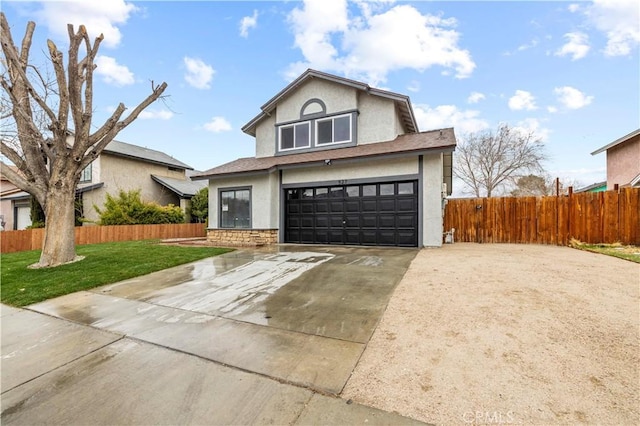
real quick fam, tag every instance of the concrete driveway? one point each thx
(250, 337)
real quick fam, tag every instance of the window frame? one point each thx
(293, 126)
(83, 173)
(333, 130)
(221, 191)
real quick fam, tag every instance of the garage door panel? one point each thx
(370, 214)
(387, 221)
(405, 221)
(386, 205)
(369, 221)
(405, 204)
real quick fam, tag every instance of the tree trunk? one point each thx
(59, 233)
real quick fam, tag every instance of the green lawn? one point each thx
(631, 253)
(103, 264)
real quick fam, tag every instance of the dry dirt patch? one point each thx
(522, 334)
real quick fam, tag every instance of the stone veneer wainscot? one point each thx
(242, 237)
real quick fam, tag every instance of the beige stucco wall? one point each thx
(264, 195)
(119, 173)
(378, 120)
(623, 162)
(335, 96)
(348, 171)
(432, 201)
(266, 137)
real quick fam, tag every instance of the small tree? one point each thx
(38, 115)
(487, 161)
(199, 208)
(532, 185)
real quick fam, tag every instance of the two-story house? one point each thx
(623, 160)
(337, 162)
(121, 166)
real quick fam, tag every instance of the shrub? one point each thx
(129, 209)
(199, 208)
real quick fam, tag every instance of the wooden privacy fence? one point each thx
(590, 217)
(31, 239)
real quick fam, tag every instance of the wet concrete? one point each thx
(249, 337)
(298, 315)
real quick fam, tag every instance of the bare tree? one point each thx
(49, 136)
(487, 161)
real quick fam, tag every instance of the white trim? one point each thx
(293, 125)
(333, 127)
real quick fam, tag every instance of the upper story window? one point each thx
(334, 130)
(295, 136)
(85, 176)
(316, 129)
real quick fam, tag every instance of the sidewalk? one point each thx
(59, 372)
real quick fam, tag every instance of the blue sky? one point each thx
(569, 71)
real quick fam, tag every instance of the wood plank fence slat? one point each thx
(591, 217)
(31, 239)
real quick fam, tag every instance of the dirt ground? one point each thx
(508, 334)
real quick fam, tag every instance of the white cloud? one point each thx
(217, 125)
(619, 20)
(414, 86)
(449, 116)
(522, 100)
(572, 98)
(375, 42)
(199, 74)
(552, 109)
(574, 7)
(112, 72)
(161, 114)
(248, 22)
(577, 46)
(532, 125)
(475, 97)
(99, 17)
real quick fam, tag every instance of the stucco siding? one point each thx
(349, 171)
(119, 173)
(266, 137)
(264, 199)
(432, 213)
(623, 162)
(336, 98)
(377, 119)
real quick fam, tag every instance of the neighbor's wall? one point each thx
(623, 162)
(119, 173)
(432, 213)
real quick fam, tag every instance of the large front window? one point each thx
(235, 208)
(295, 136)
(334, 130)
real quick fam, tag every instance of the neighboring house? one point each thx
(121, 166)
(337, 162)
(623, 160)
(13, 212)
(595, 187)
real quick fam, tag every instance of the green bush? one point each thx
(199, 208)
(129, 209)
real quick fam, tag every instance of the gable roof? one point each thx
(402, 101)
(442, 140)
(140, 153)
(184, 188)
(617, 142)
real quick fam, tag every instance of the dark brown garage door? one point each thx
(379, 214)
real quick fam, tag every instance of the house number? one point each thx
(342, 182)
